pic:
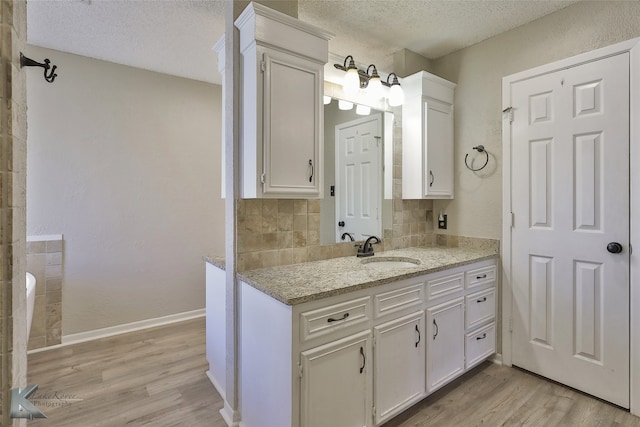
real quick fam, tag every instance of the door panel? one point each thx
(570, 198)
(359, 172)
(335, 383)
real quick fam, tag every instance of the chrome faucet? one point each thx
(366, 249)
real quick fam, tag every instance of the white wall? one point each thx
(477, 208)
(125, 163)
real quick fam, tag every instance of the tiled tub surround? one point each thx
(295, 284)
(44, 261)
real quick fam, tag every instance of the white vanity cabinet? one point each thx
(427, 137)
(363, 357)
(282, 75)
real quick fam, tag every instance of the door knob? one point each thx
(614, 247)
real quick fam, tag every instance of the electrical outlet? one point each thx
(442, 221)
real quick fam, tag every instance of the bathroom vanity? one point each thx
(345, 342)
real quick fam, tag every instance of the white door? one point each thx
(335, 383)
(570, 200)
(399, 365)
(358, 177)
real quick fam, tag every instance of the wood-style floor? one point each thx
(156, 377)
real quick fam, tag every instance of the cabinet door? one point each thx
(399, 378)
(292, 125)
(336, 383)
(438, 151)
(445, 346)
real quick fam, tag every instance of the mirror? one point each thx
(357, 200)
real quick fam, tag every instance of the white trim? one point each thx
(634, 155)
(505, 244)
(572, 61)
(228, 414)
(122, 329)
(216, 384)
(44, 238)
(633, 47)
(497, 359)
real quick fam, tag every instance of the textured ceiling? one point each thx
(176, 36)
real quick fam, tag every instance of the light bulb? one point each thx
(396, 95)
(351, 82)
(326, 99)
(345, 105)
(375, 87)
(363, 110)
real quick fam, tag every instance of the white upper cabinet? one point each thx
(427, 137)
(282, 73)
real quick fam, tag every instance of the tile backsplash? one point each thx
(45, 262)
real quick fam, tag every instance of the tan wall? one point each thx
(476, 210)
(125, 164)
(13, 133)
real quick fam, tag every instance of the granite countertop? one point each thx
(298, 283)
(218, 261)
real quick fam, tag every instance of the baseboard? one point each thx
(230, 415)
(215, 383)
(122, 329)
(497, 359)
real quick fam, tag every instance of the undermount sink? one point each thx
(388, 263)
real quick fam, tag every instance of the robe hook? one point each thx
(49, 71)
(480, 149)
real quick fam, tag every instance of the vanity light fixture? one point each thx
(345, 105)
(355, 79)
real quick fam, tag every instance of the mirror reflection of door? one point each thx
(358, 191)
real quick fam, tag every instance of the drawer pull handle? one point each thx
(432, 179)
(483, 276)
(481, 337)
(436, 326)
(419, 336)
(331, 319)
(364, 359)
(483, 299)
(311, 176)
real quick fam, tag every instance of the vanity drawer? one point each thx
(481, 307)
(479, 345)
(480, 276)
(445, 285)
(396, 300)
(325, 320)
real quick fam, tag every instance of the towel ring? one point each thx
(480, 149)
